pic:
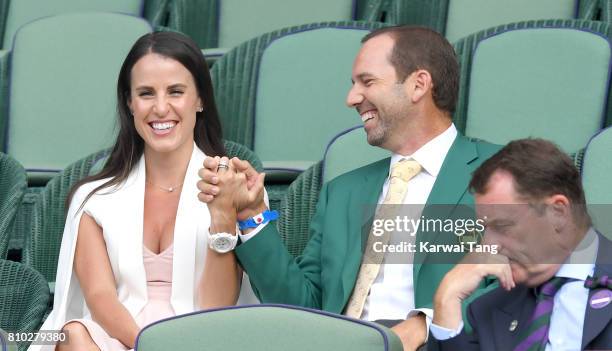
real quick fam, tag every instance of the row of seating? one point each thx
(280, 79)
(222, 24)
(226, 23)
(212, 23)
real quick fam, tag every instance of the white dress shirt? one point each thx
(392, 293)
(567, 319)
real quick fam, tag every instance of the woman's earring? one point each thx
(200, 109)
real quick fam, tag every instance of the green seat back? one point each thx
(458, 18)
(465, 17)
(222, 24)
(241, 20)
(350, 150)
(597, 180)
(24, 296)
(347, 151)
(302, 84)
(13, 185)
(236, 75)
(266, 328)
(542, 82)
(63, 85)
(21, 12)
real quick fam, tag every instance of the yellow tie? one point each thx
(401, 173)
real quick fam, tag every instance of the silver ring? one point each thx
(222, 165)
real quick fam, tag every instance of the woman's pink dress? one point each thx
(158, 269)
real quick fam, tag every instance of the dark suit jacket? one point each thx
(490, 316)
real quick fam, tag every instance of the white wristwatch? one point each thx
(222, 242)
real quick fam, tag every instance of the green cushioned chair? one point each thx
(459, 18)
(62, 87)
(24, 297)
(21, 12)
(283, 93)
(597, 180)
(43, 244)
(346, 151)
(350, 150)
(12, 187)
(547, 79)
(156, 12)
(227, 23)
(266, 328)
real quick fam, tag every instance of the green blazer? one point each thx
(324, 275)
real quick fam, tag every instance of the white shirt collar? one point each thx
(580, 264)
(431, 155)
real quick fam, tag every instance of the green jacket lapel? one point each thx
(450, 186)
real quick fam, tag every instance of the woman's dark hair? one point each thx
(129, 146)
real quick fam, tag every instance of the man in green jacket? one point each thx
(405, 86)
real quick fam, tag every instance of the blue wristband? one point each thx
(255, 221)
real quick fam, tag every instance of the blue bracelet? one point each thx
(255, 221)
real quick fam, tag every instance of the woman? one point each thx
(134, 246)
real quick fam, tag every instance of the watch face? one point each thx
(222, 244)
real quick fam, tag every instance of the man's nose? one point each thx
(354, 97)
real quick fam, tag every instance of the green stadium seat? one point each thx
(42, 246)
(12, 187)
(597, 180)
(62, 88)
(21, 12)
(24, 297)
(227, 23)
(459, 18)
(545, 79)
(346, 151)
(283, 93)
(242, 20)
(349, 150)
(266, 328)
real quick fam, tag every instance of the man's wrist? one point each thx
(252, 211)
(447, 312)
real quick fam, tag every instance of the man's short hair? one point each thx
(539, 169)
(422, 48)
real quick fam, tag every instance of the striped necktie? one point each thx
(401, 173)
(535, 337)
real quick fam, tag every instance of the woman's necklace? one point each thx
(168, 190)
